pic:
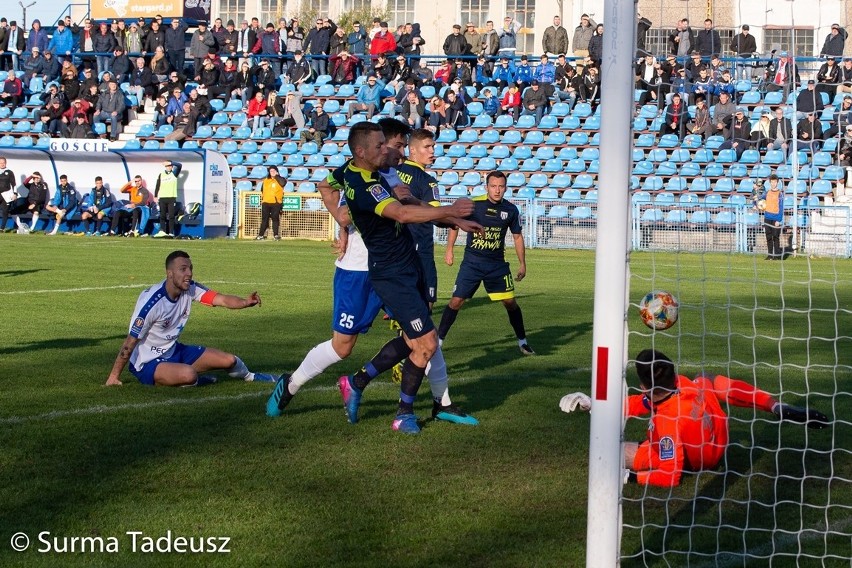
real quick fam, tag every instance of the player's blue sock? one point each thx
(412, 377)
(389, 355)
(516, 318)
(447, 320)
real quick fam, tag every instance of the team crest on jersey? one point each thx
(504, 215)
(379, 193)
(138, 324)
(666, 448)
(417, 325)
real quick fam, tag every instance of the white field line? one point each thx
(109, 409)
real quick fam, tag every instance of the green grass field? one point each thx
(308, 489)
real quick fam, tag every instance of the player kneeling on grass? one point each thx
(688, 429)
(156, 357)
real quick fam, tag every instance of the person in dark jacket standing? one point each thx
(455, 44)
(175, 44)
(744, 46)
(708, 41)
(8, 183)
(596, 46)
(834, 42)
(317, 44)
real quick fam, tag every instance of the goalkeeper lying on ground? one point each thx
(688, 429)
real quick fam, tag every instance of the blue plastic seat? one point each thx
(583, 181)
(441, 162)
(700, 185)
(219, 119)
(699, 217)
(515, 179)
(548, 122)
(509, 164)
(151, 145)
(570, 122)
(675, 216)
(223, 133)
(300, 173)
(669, 141)
(511, 137)
(522, 152)
(468, 136)
(258, 172)
(652, 215)
(486, 164)
(239, 172)
(482, 121)
(204, 131)
(552, 165)
(645, 140)
(210, 145)
(560, 181)
(714, 170)
(692, 141)
(490, 136)
(319, 174)
(531, 165)
(294, 159)
(315, 161)
(253, 160)
(582, 213)
(237, 119)
(750, 156)
(578, 139)
(724, 185)
(449, 178)
(773, 157)
(540, 181)
(689, 169)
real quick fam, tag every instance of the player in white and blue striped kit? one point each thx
(156, 356)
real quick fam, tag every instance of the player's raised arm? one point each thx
(121, 360)
(236, 302)
(415, 214)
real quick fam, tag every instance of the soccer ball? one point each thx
(658, 310)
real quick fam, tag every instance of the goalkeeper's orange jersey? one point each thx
(688, 431)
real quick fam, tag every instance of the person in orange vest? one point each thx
(271, 197)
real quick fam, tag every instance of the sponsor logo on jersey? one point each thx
(417, 325)
(138, 324)
(379, 193)
(666, 448)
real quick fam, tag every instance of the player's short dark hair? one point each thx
(174, 256)
(655, 369)
(420, 134)
(495, 174)
(359, 133)
(392, 127)
(99, 178)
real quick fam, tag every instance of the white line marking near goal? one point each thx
(108, 409)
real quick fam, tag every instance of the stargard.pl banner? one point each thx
(133, 9)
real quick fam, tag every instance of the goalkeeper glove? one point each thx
(570, 402)
(630, 476)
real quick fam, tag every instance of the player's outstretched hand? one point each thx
(462, 207)
(403, 194)
(522, 272)
(449, 257)
(112, 382)
(253, 300)
(470, 227)
(575, 400)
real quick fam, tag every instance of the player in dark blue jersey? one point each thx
(395, 270)
(484, 259)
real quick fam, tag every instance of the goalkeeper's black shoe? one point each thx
(812, 418)
(452, 413)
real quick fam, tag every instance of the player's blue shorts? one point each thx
(404, 293)
(430, 272)
(497, 278)
(186, 354)
(356, 303)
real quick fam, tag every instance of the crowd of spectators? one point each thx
(82, 74)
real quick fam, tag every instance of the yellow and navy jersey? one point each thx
(389, 243)
(425, 188)
(496, 219)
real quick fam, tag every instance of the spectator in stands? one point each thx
(809, 130)
(78, 128)
(160, 65)
(834, 42)
(596, 46)
(715, 68)
(141, 83)
(782, 75)
(268, 44)
(760, 132)
(120, 34)
(368, 98)
(51, 118)
(443, 74)
(103, 42)
(809, 100)
(413, 109)
(726, 84)
(681, 39)
(110, 108)
(582, 36)
(739, 138)
(844, 79)
(77, 106)
(46, 97)
(455, 44)
(121, 65)
(175, 44)
(642, 26)
(200, 102)
(828, 77)
(264, 78)
(33, 65)
(504, 74)
(33, 203)
(134, 39)
(175, 81)
(482, 73)
(293, 117)
(723, 115)
(176, 100)
(842, 116)
(508, 37)
(184, 123)
(681, 85)
(402, 94)
(555, 39)
(382, 42)
(231, 40)
(275, 110)
(708, 41)
(744, 46)
(590, 87)
(299, 71)
(218, 31)
(154, 38)
(534, 101)
(402, 73)
(773, 218)
(13, 46)
(257, 111)
(62, 42)
(318, 41)
(106, 79)
(780, 132)
(12, 94)
(437, 115)
(456, 110)
(545, 74)
(63, 204)
(200, 44)
(649, 79)
(523, 74)
(844, 150)
(491, 104)
(473, 39)
(675, 118)
(210, 75)
(271, 198)
(490, 41)
(319, 126)
(295, 36)
(461, 72)
(344, 68)
(702, 87)
(161, 114)
(243, 84)
(338, 42)
(694, 65)
(701, 123)
(166, 191)
(246, 39)
(383, 69)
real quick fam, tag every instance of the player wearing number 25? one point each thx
(485, 259)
